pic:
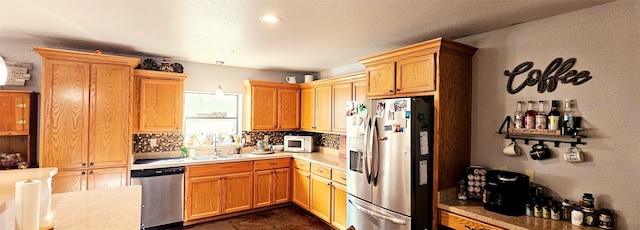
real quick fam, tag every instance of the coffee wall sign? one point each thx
(557, 71)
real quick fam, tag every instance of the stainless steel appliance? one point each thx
(298, 144)
(389, 179)
(162, 196)
(506, 192)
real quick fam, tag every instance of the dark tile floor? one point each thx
(285, 218)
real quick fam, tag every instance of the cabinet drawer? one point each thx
(215, 169)
(321, 171)
(339, 177)
(302, 165)
(455, 221)
(272, 164)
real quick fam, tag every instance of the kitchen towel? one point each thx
(27, 205)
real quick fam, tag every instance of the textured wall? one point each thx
(605, 41)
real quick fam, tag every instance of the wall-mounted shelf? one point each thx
(539, 137)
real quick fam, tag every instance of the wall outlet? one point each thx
(247, 138)
(153, 142)
(504, 168)
(266, 138)
(531, 174)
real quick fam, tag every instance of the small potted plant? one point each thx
(237, 143)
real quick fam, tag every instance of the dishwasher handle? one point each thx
(157, 171)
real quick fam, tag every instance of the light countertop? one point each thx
(325, 159)
(474, 210)
(10, 177)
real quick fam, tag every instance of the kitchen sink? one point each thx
(204, 158)
(231, 156)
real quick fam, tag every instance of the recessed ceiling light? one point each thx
(227, 51)
(270, 19)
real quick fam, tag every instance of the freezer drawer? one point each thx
(363, 215)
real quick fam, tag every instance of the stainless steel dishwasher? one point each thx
(162, 196)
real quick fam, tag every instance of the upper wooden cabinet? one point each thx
(158, 101)
(414, 70)
(85, 111)
(18, 126)
(324, 102)
(271, 106)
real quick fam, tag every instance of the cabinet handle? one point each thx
(84, 173)
(22, 106)
(91, 164)
(308, 176)
(320, 171)
(90, 172)
(21, 122)
(84, 164)
(468, 228)
(397, 90)
(342, 178)
(272, 163)
(329, 184)
(391, 91)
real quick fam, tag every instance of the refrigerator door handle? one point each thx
(368, 167)
(378, 215)
(375, 152)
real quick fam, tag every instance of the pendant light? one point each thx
(219, 91)
(3, 71)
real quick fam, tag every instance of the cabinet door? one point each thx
(69, 181)
(107, 178)
(341, 95)
(381, 79)
(14, 110)
(320, 198)
(263, 188)
(338, 206)
(282, 185)
(160, 107)
(308, 109)
(64, 126)
(323, 108)
(238, 190)
(264, 108)
(416, 74)
(301, 188)
(360, 91)
(203, 197)
(288, 109)
(109, 116)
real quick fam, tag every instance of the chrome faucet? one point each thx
(215, 144)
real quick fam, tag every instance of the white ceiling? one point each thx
(313, 36)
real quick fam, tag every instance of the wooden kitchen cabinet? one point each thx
(455, 221)
(18, 126)
(381, 79)
(217, 189)
(272, 182)
(85, 120)
(324, 103)
(341, 94)
(338, 199)
(81, 180)
(320, 184)
(158, 101)
(301, 177)
(360, 90)
(271, 106)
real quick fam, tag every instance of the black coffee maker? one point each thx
(506, 192)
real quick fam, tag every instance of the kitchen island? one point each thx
(112, 208)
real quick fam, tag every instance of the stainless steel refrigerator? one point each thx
(389, 163)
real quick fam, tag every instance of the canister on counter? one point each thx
(605, 219)
(566, 210)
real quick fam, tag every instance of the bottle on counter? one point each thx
(576, 216)
(567, 118)
(589, 216)
(541, 116)
(529, 207)
(518, 116)
(553, 119)
(566, 210)
(587, 200)
(556, 210)
(605, 220)
(537, 209)
(530, 116)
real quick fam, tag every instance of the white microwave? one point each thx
(298, 144)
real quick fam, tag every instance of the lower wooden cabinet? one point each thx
(455, 221)
(301, 188)
(81, 180)
(271, 182)
(338, 200)
(320, 204)
(217, 189)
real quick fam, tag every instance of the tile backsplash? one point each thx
(145, 143)
(277, 137)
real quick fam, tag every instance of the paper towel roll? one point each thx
(27, 204)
